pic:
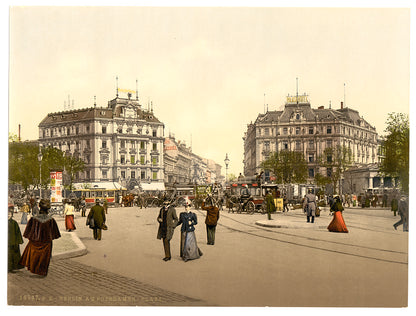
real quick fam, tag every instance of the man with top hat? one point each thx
(167, 220)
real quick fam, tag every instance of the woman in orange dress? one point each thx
(40, 230)
(337, 224)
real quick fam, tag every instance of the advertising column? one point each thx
(56, 186)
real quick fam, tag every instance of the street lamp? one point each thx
(226, 161)
(40, 171)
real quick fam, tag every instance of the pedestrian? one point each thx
(69, 216)
(25, 210)
(394, 205)
(14, 241)
(403, 210)
(167, 223)
(105, 205)
(213, 215)
(96, 220)
(309, 206)
(189, 247)
(337, 224)
(83, 206)
(35, 210)
(40, 230)
(270, 207)
(285, 203)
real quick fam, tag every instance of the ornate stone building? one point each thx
(121, 142)
(299, 127)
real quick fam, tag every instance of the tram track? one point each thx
(301, 241)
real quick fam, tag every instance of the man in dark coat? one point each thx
(167, 222)
(213, 214)
(403, 208)
(98, 214)
(15, 239)
(270, 205)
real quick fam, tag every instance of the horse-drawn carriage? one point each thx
(249, 197)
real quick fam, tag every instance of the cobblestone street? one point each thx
(75, 284)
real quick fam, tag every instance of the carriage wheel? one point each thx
(250, 207)
(263, 208)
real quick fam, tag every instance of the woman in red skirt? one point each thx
(69, 216)
(40, 230)
(337, 224)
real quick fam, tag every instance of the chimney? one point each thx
(342, 105)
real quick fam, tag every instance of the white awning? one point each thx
(99, 185)
(154, 186)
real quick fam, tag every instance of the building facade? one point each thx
(121, 142)
(182, 166)
(299, 127)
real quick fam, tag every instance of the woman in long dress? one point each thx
(189, 246)
(69, 216)
(40, 230)
(337, 224)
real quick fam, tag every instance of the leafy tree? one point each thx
(287, 166)
(335, 160)
(24, 164)
(13, 138)
(231, 177)
(396, 145)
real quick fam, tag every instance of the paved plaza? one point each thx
(284, 262)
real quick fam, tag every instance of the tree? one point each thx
(396, 145)
(231, 177)
(287, 166)
(335, 160)
(24, 164)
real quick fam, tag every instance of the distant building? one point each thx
(182, 166)
(119, 143)
(299, 127)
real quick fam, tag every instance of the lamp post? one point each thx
(226, 161)
(40, 171)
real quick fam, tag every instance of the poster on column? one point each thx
(56, 186)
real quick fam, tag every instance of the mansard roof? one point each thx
(321, 114)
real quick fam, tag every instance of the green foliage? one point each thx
(24, 164)
(287, 166)
(231, 177)
(396, 145)
(13, 138)
(337, 160)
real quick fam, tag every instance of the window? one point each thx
(123, 144)
(142, 145)
(87, 128)
(105, 174)
(310, 130)
(329, 172)
(154, 173)
(297, 116)
(285, 146)
(133, 144)
(297, 130)
(122, 159)
(133, 174)
(104, 144)
(298, 147)
(311, 144)
(123, 174)
(154, 161)
(154, 146)
(88, 143)
(329, 129)
(76, 130)
(142, 161)
(143, 175)
(104, 129)
(310, 158)
(329, 143)
(266, 131)
(154, 133)
(311, 172)
(266, 146)
(284, 130)
(329, 158)
(132, 159)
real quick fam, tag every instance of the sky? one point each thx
(208, 71)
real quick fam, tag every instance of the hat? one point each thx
(97, 201)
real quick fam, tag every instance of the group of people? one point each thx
(41, 229)
(335, 205)
(168, 221)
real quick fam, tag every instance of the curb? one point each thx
(275, 224)
(80, 250)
